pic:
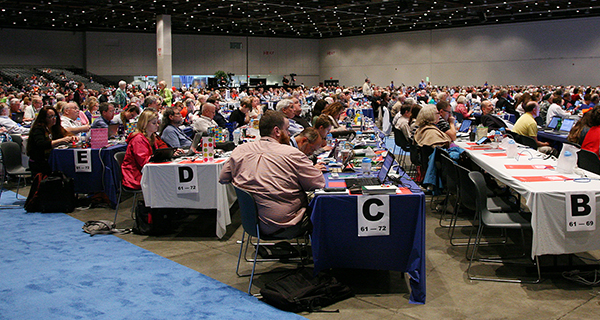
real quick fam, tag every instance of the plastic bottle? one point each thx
(497, 136)
(558, 124)
(329, 139)
(365, 166)
(566, 163)
(237, 136)
(83, 140)
(511, 150)
(473, 134)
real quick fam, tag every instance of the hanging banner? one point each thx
(186, 180)
(581, 211)
(83, 160)
(373, 214)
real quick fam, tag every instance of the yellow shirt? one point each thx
(526, 125)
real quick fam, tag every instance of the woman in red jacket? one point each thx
(140, 146)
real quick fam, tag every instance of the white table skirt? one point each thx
(159, 185)
(546, 200)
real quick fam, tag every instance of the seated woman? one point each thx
(91, 108)
(580, 129)
(592, 138)
(140, 147)
(333, 111)
(428, 133)
(46, 133)
(462, 107)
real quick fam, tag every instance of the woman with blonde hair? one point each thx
(140, 147)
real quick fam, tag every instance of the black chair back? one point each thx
(589, 161)
(468, 192)
(401, 140)
(11, 156)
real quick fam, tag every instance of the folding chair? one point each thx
(119, 157)
(11, 162)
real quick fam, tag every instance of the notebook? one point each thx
(373, 181)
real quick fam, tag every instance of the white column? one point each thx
(164, 55)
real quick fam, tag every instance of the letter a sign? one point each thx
(186, 180)
(581, 211)
(373, 215)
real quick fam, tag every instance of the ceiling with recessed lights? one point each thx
(287, 18)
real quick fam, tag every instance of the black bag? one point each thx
(300, 291)
(149, 221)
(52, 193)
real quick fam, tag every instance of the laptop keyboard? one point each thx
(360, 182)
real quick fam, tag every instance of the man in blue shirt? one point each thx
(107, 112)
(170, 132)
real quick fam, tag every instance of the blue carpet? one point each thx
(51, 269)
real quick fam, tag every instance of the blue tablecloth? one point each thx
(335, 241)
(103, 178)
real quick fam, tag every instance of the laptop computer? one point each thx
(18, 117)
(388, 161)
(162, 155)
(551, 127)
(566, 126)
(465, 125)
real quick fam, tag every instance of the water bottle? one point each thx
(473, 134)
(511, 150)
(83, 140)
(237, 136)
(329, 139)
(566, 163)
(497, 136)
(365, 166)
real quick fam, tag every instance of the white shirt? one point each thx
(556, 110)
(202, 123)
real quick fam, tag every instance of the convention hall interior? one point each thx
(190, 273)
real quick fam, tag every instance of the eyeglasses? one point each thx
(51, 117)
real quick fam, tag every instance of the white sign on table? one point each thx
(186, 180)
(373, 213)
(581, 211)
(83, 160)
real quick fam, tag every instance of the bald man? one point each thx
(205, 120)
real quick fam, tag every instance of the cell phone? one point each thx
(483, 140)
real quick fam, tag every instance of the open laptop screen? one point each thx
(566, 125)
(385, 167)
(553, 123)
(465, 125)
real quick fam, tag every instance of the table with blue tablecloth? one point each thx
(336, 244)
(103, 178)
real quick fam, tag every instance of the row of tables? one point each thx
(563, 206)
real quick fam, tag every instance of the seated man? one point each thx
(297, 112)
(446, 122)
(278, 176)
(170, 131)
(556, 109)
(309, 141)
(402, 120)
(68, 120)
(107, 113)
(240, 115)
(526, 126)
(205, 120)
(287, 107)
(8, 123)
(489, 119)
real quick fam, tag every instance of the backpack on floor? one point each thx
(150, 221)
(300, 291)
(51, 193)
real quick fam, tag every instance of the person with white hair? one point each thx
(121, 94)
(165, 93)
(287, 107)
